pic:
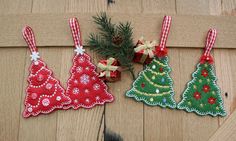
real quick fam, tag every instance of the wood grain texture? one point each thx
(85, 6)
(229, 7)
(15, 7)
(227, 131)
(55, 28)
(225, 81)
(192, 7)
(124, 6)
(125, 115)
(11, 90)
(159, 6)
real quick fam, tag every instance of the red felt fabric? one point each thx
(44, 93)
(84, 87)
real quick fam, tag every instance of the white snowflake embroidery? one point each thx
(96, 87)
(45, 102)
(84, 79)
(81, 59)
(79, 69)
(75, 91)
(79, 50)
(34, 56)
(97, 97)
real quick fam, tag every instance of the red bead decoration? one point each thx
(161, 69)
(142, 85)
(204, 73)
(206, 88)
(211, 100)
(197, 95)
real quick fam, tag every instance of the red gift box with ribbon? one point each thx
(144, 51)
(109, 70)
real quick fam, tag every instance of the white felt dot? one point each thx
(30, 109)
(58, 98)
(34, 96)
(49, 86)
(157, 91)
(36, 62)
(153, 66)
(87, 100)
(46, 102)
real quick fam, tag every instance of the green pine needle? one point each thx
(103, 42)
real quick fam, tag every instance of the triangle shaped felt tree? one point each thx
(202, 94)
(44, 92)
(154, 85)
(84, 87)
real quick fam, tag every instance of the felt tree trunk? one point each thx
(202, 94)
(44, 92)
(84, 87)
(154, 85)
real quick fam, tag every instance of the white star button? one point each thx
(34, 56)
(79, 50)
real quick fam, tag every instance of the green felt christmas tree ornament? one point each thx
(202, 95)
(154, 85)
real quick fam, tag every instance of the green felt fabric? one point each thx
(154, 86)
(206, 101)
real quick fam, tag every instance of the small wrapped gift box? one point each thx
(109, 70)
(144, 51)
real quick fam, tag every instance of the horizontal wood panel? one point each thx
(53, 29)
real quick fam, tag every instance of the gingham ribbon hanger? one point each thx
(210, 41)
(161, 50)
(29, 37)
(75, 30)
(165, 31)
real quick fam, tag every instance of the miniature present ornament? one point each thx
(110, 70)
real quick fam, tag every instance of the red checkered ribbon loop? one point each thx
(210, 41)
(75, 29)
(165, 31)
(28, 35)
(161, 50)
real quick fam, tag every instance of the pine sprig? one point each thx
(113, 41)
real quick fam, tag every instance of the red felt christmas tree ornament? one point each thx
(44, 92)
(84, 86)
